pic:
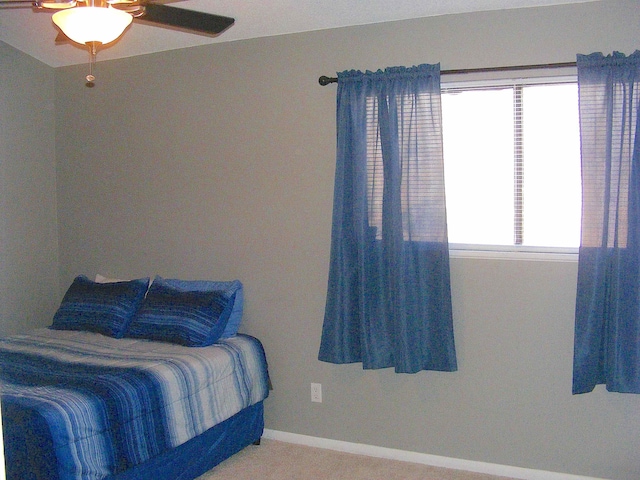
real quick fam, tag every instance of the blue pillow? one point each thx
(232, 290)
(105, 308)
(193, 319)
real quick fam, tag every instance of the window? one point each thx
(512, 165)
(422, 200)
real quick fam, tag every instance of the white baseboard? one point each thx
(422, 458)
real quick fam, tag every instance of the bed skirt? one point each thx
(205, 451)
(184, 462)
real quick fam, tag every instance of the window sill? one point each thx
(502, 252)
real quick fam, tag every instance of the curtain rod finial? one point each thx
(324, 80)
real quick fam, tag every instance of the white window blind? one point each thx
(419, 144)
(512, 164)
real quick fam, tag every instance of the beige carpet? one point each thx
(275, 460)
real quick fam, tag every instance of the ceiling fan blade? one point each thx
(39, 4)
(18, 4)
(61, 38)
(189, 20)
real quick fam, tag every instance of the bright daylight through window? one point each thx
(512, 165)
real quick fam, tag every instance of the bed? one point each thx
(153, 394)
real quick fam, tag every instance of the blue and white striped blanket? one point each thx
(110, 404)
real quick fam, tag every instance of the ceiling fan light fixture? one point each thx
(84, 25)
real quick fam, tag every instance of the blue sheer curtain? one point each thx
(389, 295)
(607, 324)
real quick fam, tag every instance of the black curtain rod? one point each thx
(324, 80)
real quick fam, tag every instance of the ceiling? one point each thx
(33, 32)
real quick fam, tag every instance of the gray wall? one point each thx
(217, 162)
(29, 287)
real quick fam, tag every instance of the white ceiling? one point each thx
(33, 32)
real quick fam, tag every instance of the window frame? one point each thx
(511, 252)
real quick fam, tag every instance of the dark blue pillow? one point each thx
(232, 290)
(105, 308)
(193, 319)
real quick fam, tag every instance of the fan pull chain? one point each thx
(93, 50)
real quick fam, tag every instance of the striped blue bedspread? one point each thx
(110, 404)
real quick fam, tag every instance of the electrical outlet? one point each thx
(316, 392)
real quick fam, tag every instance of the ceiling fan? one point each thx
(96, 23)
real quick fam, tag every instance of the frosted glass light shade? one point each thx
(58, 4)
(92, 24)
